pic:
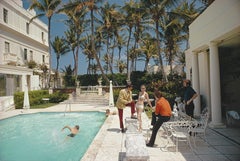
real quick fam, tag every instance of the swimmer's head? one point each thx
(77, 127)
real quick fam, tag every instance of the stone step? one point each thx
(91, 99)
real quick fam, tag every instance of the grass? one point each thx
(45, 105)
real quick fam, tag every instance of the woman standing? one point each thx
(142, 96)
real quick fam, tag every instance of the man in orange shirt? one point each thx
(163, 113)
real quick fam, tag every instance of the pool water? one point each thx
(38, 137)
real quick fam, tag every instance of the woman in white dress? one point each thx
(142, 97)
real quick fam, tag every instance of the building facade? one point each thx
(213, 59)
(21, 43)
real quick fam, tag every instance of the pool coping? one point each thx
(93, 149)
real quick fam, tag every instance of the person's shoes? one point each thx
(149, 145)
(133, 117)
(123, 130)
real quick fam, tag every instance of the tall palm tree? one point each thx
(148, 49)
(156, 8)
(171, 31)
(110, 21)
(128, 10)
(60, 48)
(91, 5)
(46, 8)
(187, 13)
(86, 47)
(71, 40)
(76, 22)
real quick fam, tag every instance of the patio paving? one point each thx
(109, 143)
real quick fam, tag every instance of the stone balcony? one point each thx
(10, 58)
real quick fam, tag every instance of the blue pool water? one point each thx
(38, 137)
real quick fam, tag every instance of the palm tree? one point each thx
(148, 49)
(128, 9)
(109, 28)
(76, 24)
(171, 31)
(60, 48)
(46, 8)
(91, 5)
(86, 47)
(121, 65)
(187, 13)
(71, 40)
(156, 8)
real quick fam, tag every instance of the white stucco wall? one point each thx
(218, 26)
(217, 23)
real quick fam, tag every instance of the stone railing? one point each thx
(10, 57)
(6, 103)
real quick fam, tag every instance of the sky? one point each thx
(57, 29)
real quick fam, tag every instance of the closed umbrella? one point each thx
(26, 104)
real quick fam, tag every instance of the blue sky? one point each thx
(57, 29)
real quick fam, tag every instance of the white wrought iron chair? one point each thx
(178, 131)
(200, 127)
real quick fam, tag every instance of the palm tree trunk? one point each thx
(159, 52)
(128, 72)
(50, 54)
(94, 51)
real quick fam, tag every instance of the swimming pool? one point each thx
(38, 137)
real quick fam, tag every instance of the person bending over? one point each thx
(163, 113)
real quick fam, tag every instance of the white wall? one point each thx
(218, 22)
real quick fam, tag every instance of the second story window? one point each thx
(5, 15)
(27, 28)
(31, 55)
(43, 36)
(25, 54)
(43, 58)
(7, 47)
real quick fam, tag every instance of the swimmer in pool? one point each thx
(74, 130)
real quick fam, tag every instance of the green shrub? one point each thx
(57, 97)
(35, 98)
(18, 99)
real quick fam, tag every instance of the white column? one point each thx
(111, 100)
(195, 83)
(205, 79)
(24, 82)
(216, 112)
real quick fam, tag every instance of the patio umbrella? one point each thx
(26, 104)
(111, 101)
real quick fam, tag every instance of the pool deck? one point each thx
(109, 143)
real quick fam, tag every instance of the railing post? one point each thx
(99, 87)
(111, 100)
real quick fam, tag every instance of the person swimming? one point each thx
(74, 130)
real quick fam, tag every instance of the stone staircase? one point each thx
(89, 98)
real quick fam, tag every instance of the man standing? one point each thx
(189, 95)
(125, 99)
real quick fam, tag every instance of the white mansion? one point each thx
(213, 59)
(21, 42)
